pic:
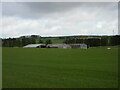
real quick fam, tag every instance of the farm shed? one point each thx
(35, 46)
(58, 46)
(84, 46)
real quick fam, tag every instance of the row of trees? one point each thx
(90, 41)
(98, 41)
(22, 41)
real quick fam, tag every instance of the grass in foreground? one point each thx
(59, 68)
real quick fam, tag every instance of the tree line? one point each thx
(35, 39)
(95, 41)
(24, 40)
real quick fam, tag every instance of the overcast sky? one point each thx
(59, 18)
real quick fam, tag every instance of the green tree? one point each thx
(41, 41)
(48, 41)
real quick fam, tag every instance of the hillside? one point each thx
(36, 39)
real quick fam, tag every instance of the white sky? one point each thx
(57, 18)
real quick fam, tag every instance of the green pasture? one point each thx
(60, 68)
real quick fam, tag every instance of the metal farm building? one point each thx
(35, 46)
(83, 46)
(58, 46)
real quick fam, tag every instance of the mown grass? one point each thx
(60, 68)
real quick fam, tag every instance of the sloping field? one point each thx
(60, 68)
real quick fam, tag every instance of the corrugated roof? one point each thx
(33, 45)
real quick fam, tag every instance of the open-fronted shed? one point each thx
(84, 46)
(35, 46)
(58, 46)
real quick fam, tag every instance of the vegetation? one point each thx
(48, 42)
(60, 68)
(91, 41)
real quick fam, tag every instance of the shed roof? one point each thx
(33, 45)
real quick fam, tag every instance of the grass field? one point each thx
(60, 68)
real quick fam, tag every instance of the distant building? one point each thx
(84, 46)
(58, 46)
(35, 46)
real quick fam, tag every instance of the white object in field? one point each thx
(108, 48)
